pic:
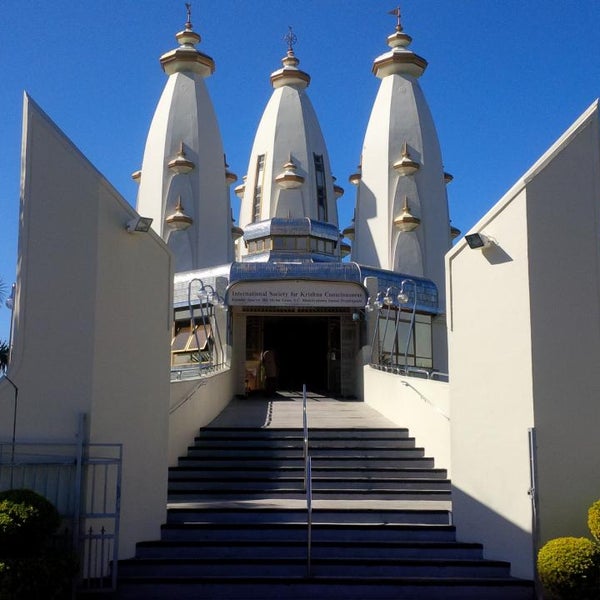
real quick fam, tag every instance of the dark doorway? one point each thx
(301, 349)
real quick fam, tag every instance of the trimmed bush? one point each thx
(27, 520)
(44, 577)
(594, 520)
(30, 568)
(569, 568)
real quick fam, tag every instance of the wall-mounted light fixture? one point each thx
(478, 241)
(139, 224)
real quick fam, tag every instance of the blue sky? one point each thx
(505, 79)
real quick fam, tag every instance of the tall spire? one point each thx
(289, 176)
(183, 183)
(401, 219)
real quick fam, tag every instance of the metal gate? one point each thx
(83, 481)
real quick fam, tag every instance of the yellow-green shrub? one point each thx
(27, 520)
(569, 568)
(594, 520)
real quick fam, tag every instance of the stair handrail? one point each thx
(307, 483)
(308, 515)
(305, 438)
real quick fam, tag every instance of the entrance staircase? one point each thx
(237, 518)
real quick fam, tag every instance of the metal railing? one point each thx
(307, 483)
(308, 515)
(305, 435)
(421, 372)
(195, 371)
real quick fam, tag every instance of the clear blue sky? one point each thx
(505, 79)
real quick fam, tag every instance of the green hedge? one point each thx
(30, 568)
(569, 568)
(47, 576)
(27, 520)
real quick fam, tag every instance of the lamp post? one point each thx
(403, 298)
(206, 293)
(10, 304)
(370, 306)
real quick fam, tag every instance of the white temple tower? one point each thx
(401, 219)
(183, 182)
(289, 175)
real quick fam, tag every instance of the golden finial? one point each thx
(396, 13)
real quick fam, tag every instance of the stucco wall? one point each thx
(563, 208)
(195, 404)
(421, 405)
(491, 388)
(524, 345)
(92, 322)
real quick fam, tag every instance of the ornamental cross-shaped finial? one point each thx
(188, 10)
(290, 38)
(396, 13)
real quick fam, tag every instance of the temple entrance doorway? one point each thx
(300, 345)
(306, 350)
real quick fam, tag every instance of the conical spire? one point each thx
(289, 175)
(402, 173)
(183, 163)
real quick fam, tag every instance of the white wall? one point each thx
(419, 404)
(194, 404)
(524, 345)
(563, 203)
(491, 389)
(92, 322)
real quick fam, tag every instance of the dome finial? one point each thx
(290, 74)
(396, 13)
(188, 20)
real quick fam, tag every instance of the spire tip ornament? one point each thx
(188, 20)
(396, 13)
(291, 39)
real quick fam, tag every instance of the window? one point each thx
(258, 185)
(321, 188)
(393, 347)
(191, 346)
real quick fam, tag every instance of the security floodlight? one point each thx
(139, 224)
(10, 301)
(478, 241)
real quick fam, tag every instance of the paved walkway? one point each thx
(285, 410)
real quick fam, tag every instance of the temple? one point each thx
(176, 314)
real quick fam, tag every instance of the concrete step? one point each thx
(351, 453)
(297, 483)
(216, 513)
(324, 588)
(270, 462)
(362, 533)
(298, 443)
(297, 470)
(192, 495)
(297, 433)
(268, 549)
(327, 567)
